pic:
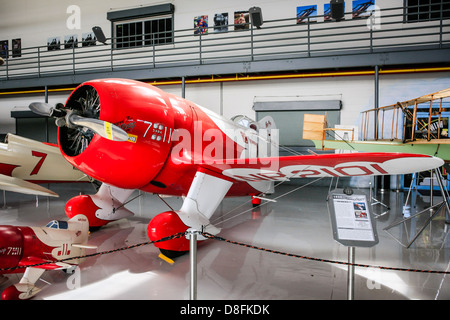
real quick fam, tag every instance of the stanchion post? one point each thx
(193, 262)
(351, 273)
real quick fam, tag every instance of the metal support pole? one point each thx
(351, 273)
(376, 102)
(375, 127)
(183, 87)
(309, 38)
(431, 190)
(445, 194)
(46, 120)
(200, 47)
(193, 263)
(73, 59)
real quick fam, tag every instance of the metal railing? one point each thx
(386, 30)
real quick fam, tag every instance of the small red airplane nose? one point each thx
(11, 246)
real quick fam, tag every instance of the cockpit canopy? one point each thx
(245, 122)
(56, 224)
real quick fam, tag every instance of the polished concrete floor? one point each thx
(298, 223)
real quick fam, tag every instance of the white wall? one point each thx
(35, 21)
(356, 92)
(232, 98)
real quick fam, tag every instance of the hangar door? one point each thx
(288, 117)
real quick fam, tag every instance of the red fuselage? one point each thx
(168, 139)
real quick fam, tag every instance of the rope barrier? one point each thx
(213, 237)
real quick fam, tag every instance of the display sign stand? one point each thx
(353, 226)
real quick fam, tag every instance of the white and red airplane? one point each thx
(131, 135)
(26, 163)
(38, 249)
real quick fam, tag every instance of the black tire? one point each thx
(172, 254)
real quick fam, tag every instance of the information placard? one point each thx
(351, 218)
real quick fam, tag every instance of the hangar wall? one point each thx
(232, 98)
(49, 18)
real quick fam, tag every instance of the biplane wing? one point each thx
(418, 126)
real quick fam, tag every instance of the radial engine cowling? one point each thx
(142, 110)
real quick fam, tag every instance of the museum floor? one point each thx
(298, 223)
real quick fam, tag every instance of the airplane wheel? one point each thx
(172, 254)
(69, 270)
(11, 293)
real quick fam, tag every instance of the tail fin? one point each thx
(80, 224)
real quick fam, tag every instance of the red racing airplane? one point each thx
(131, 135)
(38, 249)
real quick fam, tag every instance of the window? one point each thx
(143, 32)
(55, 224)
(426, 10)
(142, 26)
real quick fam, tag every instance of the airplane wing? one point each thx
(214, 179)
(24, 161)
(324, 165)
(19, 185)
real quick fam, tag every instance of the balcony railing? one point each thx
(386, 30)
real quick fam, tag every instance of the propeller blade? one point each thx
(40, 108)
(103, 128)
(46, 110)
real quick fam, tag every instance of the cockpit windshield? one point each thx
(56, 224)
(245, 122)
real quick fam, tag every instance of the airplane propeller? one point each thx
(46, 110)
(72, 120)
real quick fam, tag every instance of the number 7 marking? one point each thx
(149, 126)
(39, 164)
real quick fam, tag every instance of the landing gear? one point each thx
(256, 202)
(164, 225)
(173, 254)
